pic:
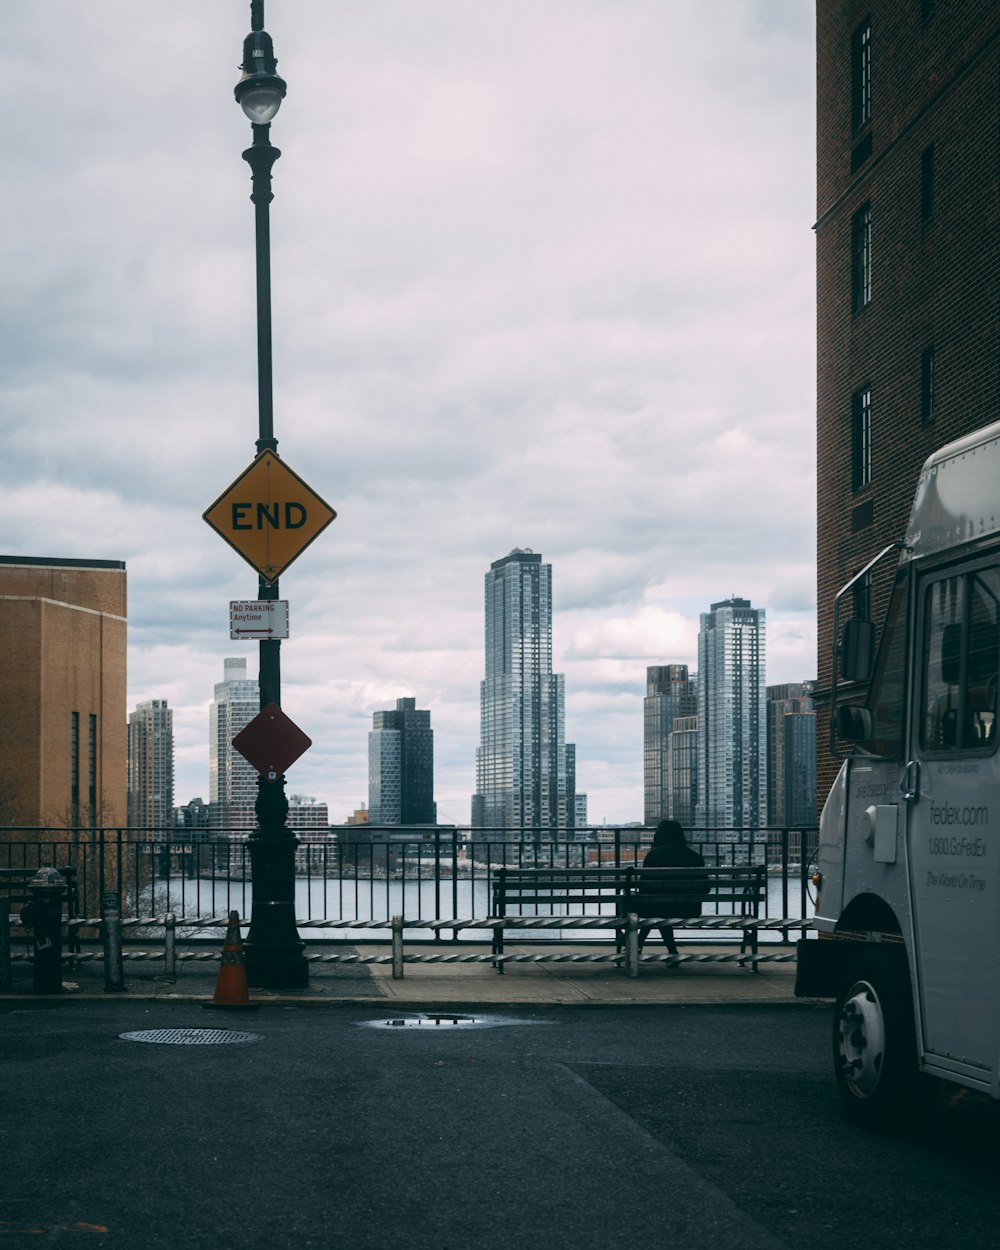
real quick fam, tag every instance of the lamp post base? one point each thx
(273, 953)
(276, 966)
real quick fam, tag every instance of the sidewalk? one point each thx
(451, 985)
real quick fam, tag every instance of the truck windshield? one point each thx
(887, 693)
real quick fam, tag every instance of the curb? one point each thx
(417, 1004)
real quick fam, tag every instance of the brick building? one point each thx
(62, 692)
(908, 245)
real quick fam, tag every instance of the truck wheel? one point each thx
(875, 1046)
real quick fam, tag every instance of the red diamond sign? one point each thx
(272, 742)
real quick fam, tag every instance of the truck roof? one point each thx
(958, 495)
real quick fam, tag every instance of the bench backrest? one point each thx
(744, 886)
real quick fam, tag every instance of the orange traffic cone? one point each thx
(231, 984)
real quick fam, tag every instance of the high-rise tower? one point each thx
(791, 754)
(670, 693)
(151, 766)
(401, 767)
(732, 717)
(523, 786)
(232, 779)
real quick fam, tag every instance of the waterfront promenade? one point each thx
(450, 983)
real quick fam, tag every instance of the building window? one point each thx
(861, 151)
(927, 184)
(861, 75)
(927, 385)
(92, 772)
(74, 768)
(861, 258)
(861, 439)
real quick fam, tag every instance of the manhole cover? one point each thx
(443, 1020)
(190, 1037)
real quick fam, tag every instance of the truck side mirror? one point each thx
(854, 724)
(857, 651)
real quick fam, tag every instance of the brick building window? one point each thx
(927, 385)
(861, 439)
(927, 184)
(861, 258)
(861, 75)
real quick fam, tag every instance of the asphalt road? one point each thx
(562, 1127)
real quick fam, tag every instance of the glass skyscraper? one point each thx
(732, 717)
(682, 768)
(524, 788)
(791, 754)
(401, 767)
(232, 780)
(670, 693)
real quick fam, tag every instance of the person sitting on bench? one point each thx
(670, 850)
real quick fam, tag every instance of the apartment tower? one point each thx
(401, 766)
(151, 766)
(670, 693)
(232, 780)
(523, 785)
(732, 717)
(791, 754)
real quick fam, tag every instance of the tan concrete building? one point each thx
(62, 692)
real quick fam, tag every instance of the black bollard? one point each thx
(43, 914)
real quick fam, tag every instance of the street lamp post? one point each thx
(274, 953)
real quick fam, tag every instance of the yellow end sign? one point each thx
(269, 515)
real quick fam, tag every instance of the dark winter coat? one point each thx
(686, 899)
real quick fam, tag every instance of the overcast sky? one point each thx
(543, 276)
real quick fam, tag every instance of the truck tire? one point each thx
(875, 1046)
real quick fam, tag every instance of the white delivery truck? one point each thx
(908, 887)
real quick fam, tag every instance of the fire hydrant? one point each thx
(43, 914)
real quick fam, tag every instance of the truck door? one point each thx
(867, 832)
(954, 820)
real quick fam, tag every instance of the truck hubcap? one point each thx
(861, 1040)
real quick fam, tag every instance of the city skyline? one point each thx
(670, 701)
(485, 336)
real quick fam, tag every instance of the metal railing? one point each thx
(369, 873)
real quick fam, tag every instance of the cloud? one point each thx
(648, 635)
(541, 276)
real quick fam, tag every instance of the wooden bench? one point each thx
(611, 895)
